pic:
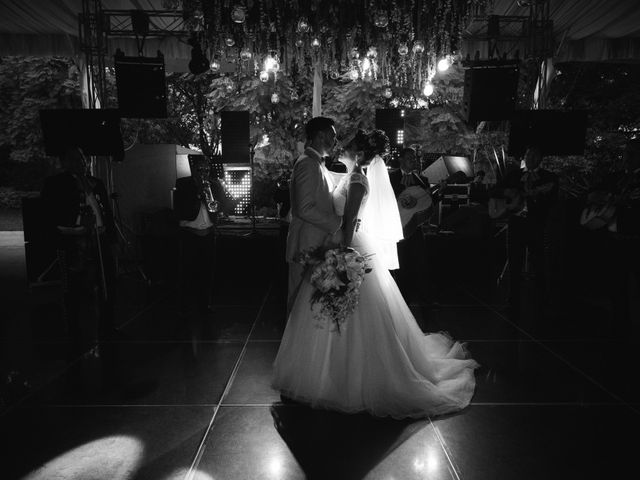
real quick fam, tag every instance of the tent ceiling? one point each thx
(591, 29)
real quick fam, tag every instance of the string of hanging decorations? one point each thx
(399, 42)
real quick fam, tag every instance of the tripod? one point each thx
(252, 204)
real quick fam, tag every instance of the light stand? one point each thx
(252, 204)
(128, 246)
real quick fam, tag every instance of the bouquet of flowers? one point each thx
(336, 275)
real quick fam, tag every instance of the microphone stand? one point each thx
(252, 205)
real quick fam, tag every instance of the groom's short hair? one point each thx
(318, 124)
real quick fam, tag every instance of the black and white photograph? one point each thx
(319, 239)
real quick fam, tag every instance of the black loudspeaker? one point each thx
(235, 137)
(489, 93)
(391, 121)
(554, 132)
(95, 131)
(142, 87)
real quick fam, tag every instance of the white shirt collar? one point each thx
(315, 151)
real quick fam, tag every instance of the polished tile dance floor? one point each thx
(555, 399)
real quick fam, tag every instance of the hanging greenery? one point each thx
(398, 42)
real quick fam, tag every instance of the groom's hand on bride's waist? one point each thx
(337, 238)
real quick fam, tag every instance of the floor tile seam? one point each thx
(203, 442)
(116, 405)
(560, 357)
(53, 378)
(445, 448)
(141, 312)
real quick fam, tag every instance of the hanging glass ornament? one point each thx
(245, 54)
(264, 76)
(215, 66)
(387, 93)
(238, 14)
(381, 19)
(403, 49)
(315, 42)
(333, 74)
(303, 25)
(230, 41)
(275, 98)
(418, 47)
(355, 54)
(299, 42)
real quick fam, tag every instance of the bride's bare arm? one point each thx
(355, 194)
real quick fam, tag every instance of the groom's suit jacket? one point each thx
(313, 219)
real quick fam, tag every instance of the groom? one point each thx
(313, 220)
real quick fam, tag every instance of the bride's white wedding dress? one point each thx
(380, 362)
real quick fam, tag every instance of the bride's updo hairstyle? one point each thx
(372, 143)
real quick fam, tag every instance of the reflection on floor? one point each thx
(554, 397)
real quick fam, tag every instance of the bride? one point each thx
(380, 361)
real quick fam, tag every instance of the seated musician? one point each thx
(80, 223)
(411, 276)
(613, 209)
(526, 197)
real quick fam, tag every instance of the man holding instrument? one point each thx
(80, 223)
(526, 197)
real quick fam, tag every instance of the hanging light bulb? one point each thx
(443, 64)
(299, 42)
(388, 93)
(215, 66)
(230, 41)
(403, 49)
(271, 64)
(372, 52)
(264, 76)
(366, 66)
(428, 89)
(315, 42)
(355, 54)
(395, 102)
(275, 98)
(418, 47)
(294, 95)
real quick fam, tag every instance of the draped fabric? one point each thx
(593, 30)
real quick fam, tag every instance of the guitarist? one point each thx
(613, 209)
(411, 250)
(529, 196)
